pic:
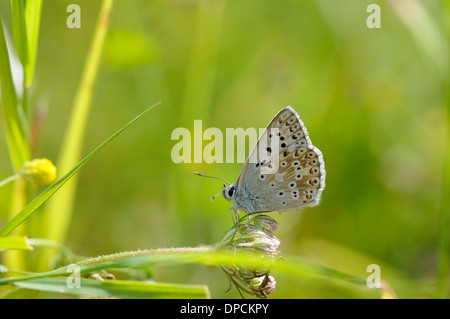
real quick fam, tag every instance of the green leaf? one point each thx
(15, 242)
(18, 145)
(53, 188)
(118, 288)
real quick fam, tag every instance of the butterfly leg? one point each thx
(248, 217)
(231, 210)
(246, 214)
(236, 217)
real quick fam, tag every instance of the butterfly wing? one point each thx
(299, 179)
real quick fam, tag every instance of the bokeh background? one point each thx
(375, 102)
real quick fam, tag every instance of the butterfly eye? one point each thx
(231, 192)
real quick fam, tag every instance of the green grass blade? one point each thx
(59, 209)
(18, 145)
(47, 193)
(15, 242)
(99, 263)
(19, 30)
(294, 267)
(32, 16)
(118, 288)
(19, 293)
(206, 256)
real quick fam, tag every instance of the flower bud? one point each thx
(254, 239)
(262, 286)
(265, 223)
(39, 171)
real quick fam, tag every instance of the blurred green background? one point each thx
(375, 102)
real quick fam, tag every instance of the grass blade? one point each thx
(53, 188)
(19, 30)
(19, 149)
(118, 288)
(32, 16)
(206, 256)
(59, 209)
(295, 267)
(15, 242)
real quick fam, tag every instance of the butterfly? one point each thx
(283, 172)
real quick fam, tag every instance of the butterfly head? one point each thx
(229, 192)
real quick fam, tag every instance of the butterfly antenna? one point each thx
(203, 175)
(212, 198)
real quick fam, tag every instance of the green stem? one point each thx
(26, 101)
(43, 242)
(145, 252)
(9, 179)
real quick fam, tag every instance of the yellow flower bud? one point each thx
(39, 171)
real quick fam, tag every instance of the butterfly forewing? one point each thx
(284, 171)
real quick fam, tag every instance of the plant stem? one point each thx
(145, 252)
(26, 102)
(9, 179)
